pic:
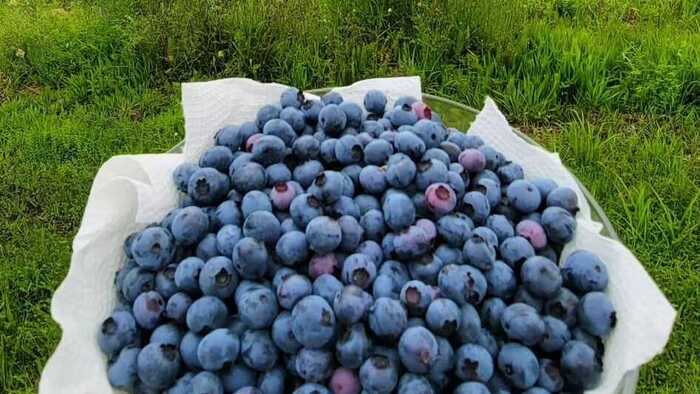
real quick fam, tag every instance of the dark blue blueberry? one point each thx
(116, 332)
(550, 377)
(258, 351)
(292, 97)
(473, 363)
(479, 253)
(430, 132)
(311, 109)
(327, 286)
(327, 186)
(387, 318)
(522, 295)
(501, 280)
(400, 171)
(165, 281)
(292, 289)
(510, 172)
(294, 117)
(306, 148)
(249, 176)
(217, 348)
(455, 229)
(187, 275)
(305, 208)
(157, 365)
(583, 272)
(323, 234)
(153, 248)
(596, 314)
(148, 309)
(292, 248)
(121, 373)
(207, 186)
(237, 376)
(206, 314)
(257, 307)
(414, 384)
(401, 115)
(313, 322)
(176, 307)
(443, 317)
(379, 374)
(269, 149)
(230, 136)
(418, 349)
(462, 284)
(311, 388)
(227, 237)
(228, 213)
(523, 196)
(217, 157)
(282, 334)
(250, 258)
(580, 365)
(265, 114)
(429, 172)
(206, 248)
(206, 382)
(188, 349)
(522, 323)
(313, 365)
(563, 197)
(426, 268)
(332, 119)
(472, 388)
(501, 226)
(262, 226)
(556, 335)
(399, 211)
(563, 306)
(494, 158)
(515, 250)
(518, 365)
(558, 224)
(410, 144)
(375, 102)
(218, 277)
(541, 277)
(476, 206)
(416, 296)
(182, 175)
(306, 172)
(272, 381)
(489, 188)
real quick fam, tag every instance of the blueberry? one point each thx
(545, 186)
(311, 388)
(541, 277)
(430, 132)
(294, 117)
(187, 275)
(121, 373)
(292, 289)
(401, 115)
(272, 381)
(258, 351)
(323, 234)
(522, 323)
(218, 277)
(462, 284)
(416, 296)
(153, 248)
(250, 258)
(288, 225)
(188, 349)
(556, 334)
(352, 347)
(237, 376)
(351, 304)
(387, 318)
(563, 306)
(492, 190)
(455, 229)
(217, 348)
(491, 312)
(501, 281)
(359, 270)
(257, 307)
(375, 102)
(501, 226)
(304, 208)
(479, 253)
(116, 332)
(206, 382)
(313, 322)
(327, 187)
(595, 314)
(348, 150)
(400, 171)
(205, 314)
(583, 272)
(189, 226)
(217, 157)
(262, 226)
(208, 186)
(550, 377)
(449, 255)
(443, 317)
(228, 213)
(510, 172)
(580, 365)
(476, 206)
(182, 175)
(157, 365)
(379, 374)
(327, 286)
(418, 349)
(206, 248)
(515, 251)
(523, 196)
(332, 119)
(306, 172)
(377, 152)
(148, 309)
(292, 248)
(558, 224)
(472, 388)
(312, 365)
(473, 363)
(249, 176)
(518, 365)
(311, 109)
(383, 286)
(271, 149)
(266, 113)
(176, 307)
(410, 144)
(227, 237)
(494, 158)
(522, 295)
(563, 197)
(373, 224)
(399, 211)
(168, 334)
(414, 384)
(282, 334)
(426, 268)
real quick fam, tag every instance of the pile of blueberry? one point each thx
(330, 248)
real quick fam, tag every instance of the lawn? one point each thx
(613, 85)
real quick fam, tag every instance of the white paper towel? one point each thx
(132, 191)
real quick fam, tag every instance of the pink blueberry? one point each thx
(533, 232)
(252, 140)
(422, 110)
(440, 198)
(472, 160)
(322, 264)
(282, 195)
(344, 381)
(427, 226)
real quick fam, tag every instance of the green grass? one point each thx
(613, 85)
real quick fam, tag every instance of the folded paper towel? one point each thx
(132, 191)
